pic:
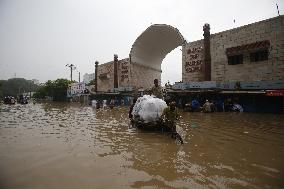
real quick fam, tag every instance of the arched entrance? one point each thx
(149, 50)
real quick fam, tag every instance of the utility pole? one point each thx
(30, 89)
(72, 67)
(79, 77)
(96, 76)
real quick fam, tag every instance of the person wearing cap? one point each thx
(156, 90)
(207, 106)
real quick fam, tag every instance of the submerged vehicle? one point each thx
(23, 99)
(148, 126)
(147, 115)
(147, 111)
(156, 126)
(9, 100)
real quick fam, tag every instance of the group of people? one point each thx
(214, 106)
(107, 103)
(20, 99)
(9, 100)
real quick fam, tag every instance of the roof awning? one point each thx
(243, 92)
(275, 93)
(217, 91)
(193, 91)
(260, 45)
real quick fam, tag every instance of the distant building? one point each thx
(253, 52)
(35, 81)
(88, 77)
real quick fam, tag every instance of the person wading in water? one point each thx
(171, 116)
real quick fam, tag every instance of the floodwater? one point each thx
(70, 146)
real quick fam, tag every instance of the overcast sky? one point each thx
(39, 37)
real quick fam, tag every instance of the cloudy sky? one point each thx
(39, 37)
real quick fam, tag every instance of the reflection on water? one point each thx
(72, 146)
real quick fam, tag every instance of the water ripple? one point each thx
(222, 150)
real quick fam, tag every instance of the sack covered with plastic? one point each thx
(148, 108)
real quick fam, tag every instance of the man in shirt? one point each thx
(156, 90)
(207, 107)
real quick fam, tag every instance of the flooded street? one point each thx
(72, 146)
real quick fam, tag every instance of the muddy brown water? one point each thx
(62, 145)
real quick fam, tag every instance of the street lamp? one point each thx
(72, 67)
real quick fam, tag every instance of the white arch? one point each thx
(151, 47)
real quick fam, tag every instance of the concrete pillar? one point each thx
(207, 54)
(282, 104)
(115, 76)
(96, 75)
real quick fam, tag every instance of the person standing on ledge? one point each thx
(156, 90)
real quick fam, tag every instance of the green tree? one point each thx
(1, 91)
(60, 89)
(92, 82)
(56, 89)
(16, 86)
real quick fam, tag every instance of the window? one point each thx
(259, 56)
(236, 59)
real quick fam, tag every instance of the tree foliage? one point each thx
(16, 86)
(56, 89)
(1, 90)
(92, 82)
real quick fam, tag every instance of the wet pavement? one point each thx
(60, 145)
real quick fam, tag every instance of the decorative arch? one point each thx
(152, 46)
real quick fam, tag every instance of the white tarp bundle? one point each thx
(149, 108)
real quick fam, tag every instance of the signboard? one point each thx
(195, 60)
(75, 89)
(275, 93)
(124, 74)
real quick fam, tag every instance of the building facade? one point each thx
(253, 52)
(129, 76)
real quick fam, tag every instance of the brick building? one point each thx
(253, 52)
(250, 56)
(144, 62)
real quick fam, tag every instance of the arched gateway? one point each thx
(149, 50)
(144, 62)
